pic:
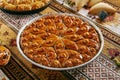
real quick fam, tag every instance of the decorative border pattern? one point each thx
(14, 71)
(15, 20)
(99, 69)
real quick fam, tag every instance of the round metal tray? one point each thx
(52, 68)
(26, 12)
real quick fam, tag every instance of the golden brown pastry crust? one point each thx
(10, 7)
(93, 2)
(60, 41)
(96, 9)
(22, 5)
(4, 56)
(37, 4)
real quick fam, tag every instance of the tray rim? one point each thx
(60, 69)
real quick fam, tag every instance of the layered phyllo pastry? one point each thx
(60, 41)
(22, 5)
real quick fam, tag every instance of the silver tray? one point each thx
(68, 68)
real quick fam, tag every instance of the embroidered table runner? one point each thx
(102, 68)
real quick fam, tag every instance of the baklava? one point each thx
(22, 5)
(60, 41)
(4, 56)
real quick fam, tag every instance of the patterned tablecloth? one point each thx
(102, 68)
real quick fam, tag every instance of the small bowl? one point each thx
(5, 55)
(68, 68)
